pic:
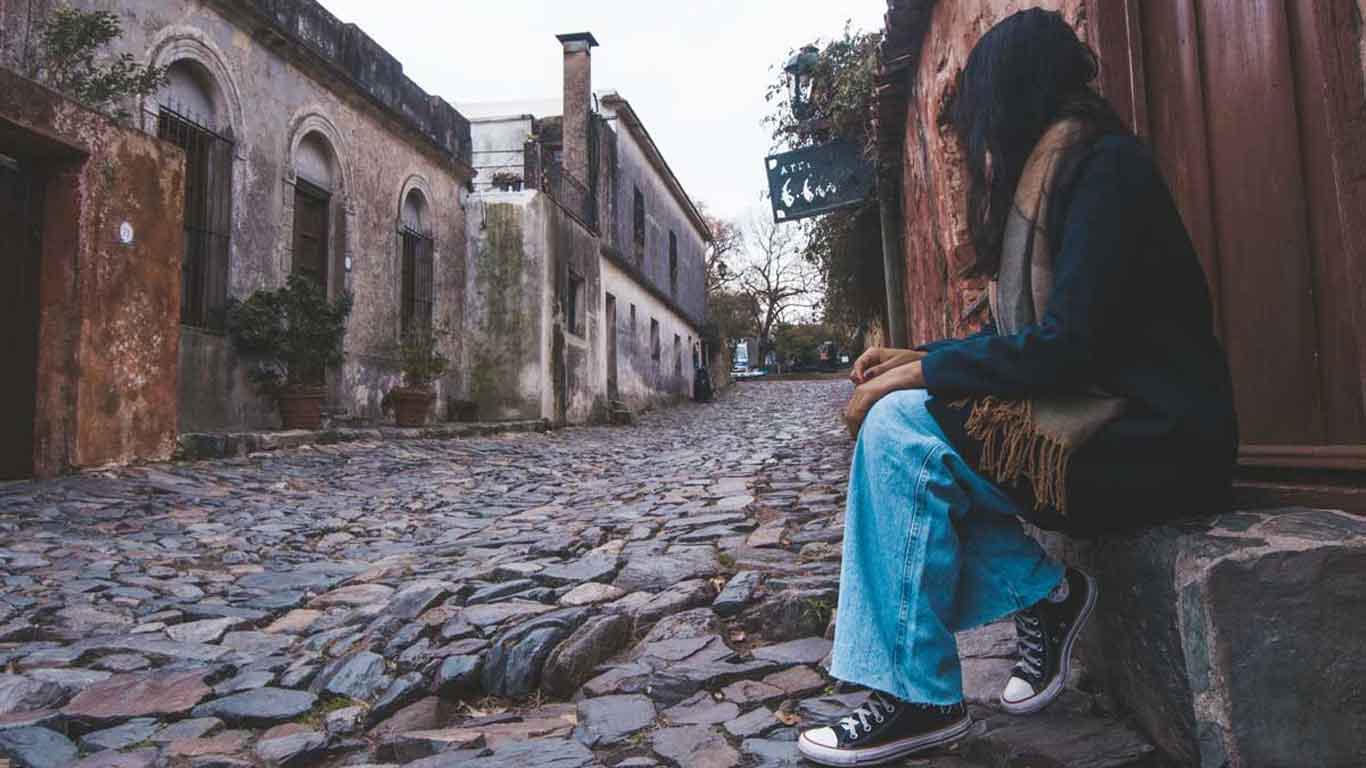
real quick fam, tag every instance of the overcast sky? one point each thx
(695, 72)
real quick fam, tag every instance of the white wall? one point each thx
(641, 382)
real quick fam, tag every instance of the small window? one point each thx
(638, 214)
(678, 356)
(673, 262)
(631, 337)
(654, 339)
(574, 304)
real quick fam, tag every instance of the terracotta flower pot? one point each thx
(302, 409)
(411, 406)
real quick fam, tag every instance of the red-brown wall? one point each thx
(108, 329)
(934, 232)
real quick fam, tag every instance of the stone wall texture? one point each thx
(109, 305)
(934, 228)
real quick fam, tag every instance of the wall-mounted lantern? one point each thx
(799, 69)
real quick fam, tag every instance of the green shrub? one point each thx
(420, 355)
(295, 332)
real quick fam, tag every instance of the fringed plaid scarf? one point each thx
(1034, 439)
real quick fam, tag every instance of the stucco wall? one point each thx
(524, 361)
(641, 381)
(268, 104)
(506, 347)
(934, 230)
(663, 214)
(109, 307)
(578, 373)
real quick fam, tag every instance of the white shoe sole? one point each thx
(1050, 694)
(885, 753)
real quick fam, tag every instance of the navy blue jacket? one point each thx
(1130, 313)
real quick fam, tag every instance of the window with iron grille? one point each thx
(654, 339)
(207, 217)
(673, 262)
(639, 222)
(678, 356)
(415, 300)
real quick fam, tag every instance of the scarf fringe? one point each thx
(1013, 449)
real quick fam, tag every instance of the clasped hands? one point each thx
(878, 372)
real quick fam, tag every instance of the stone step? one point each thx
(1235, 640)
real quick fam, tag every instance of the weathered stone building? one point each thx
(304, 149)
(613, 255)
(308, 151)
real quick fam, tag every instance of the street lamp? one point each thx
(799, 69)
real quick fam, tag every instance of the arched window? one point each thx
(415, 295)
(316, 174)
(190, 116)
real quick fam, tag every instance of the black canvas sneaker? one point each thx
(1045, 633)
(884, 729)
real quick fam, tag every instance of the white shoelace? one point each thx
(1030, 640)
(874, 708)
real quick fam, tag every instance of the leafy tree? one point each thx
(844, 245)
(68, 59)
(799, 345)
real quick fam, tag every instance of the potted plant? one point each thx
(507, 181)
(422, 362)
(296, 334)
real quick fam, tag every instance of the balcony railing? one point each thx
(535, 167)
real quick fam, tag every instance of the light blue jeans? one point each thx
(930, 548)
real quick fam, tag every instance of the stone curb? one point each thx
(198, 446)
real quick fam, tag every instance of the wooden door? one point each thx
(611, 326)
(20, 259)
(1246, 104)
(310, 232)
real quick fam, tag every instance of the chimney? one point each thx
(578, 102)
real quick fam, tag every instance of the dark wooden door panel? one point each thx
(1176, 122)
(20, 260)
(1259, 209)
(1338, 342)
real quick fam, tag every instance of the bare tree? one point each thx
(727, 241)
(775, 275)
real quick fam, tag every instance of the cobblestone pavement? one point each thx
(630, 596)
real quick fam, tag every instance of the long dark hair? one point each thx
(1027, 72)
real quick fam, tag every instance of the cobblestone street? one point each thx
(657, 594)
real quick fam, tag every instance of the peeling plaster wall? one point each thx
(578, 375)
(108, 309)
(524, 361)
(934, 230)
(269, 102)
(506, 346)
(641, 381)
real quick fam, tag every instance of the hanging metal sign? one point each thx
(815, 180)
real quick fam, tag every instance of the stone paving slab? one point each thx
(645, 596)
